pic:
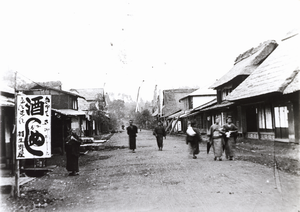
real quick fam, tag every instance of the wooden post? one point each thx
(16, 189)
(257, 109)
(13, 140)
(17, 177)
(63, 135)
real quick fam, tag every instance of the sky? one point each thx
(122, 45)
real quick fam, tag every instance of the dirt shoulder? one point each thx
(113, 179)
(285, 156)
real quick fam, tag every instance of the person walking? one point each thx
(132, 130)
(215, 134)
(193, 138)
(159, 132)
(231, 134)
(72, 149)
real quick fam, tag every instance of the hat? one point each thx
(228, 117)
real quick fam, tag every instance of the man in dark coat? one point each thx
(159, 132)
(132, 130)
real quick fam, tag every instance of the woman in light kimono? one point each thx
(216, 139)
(231, 134)
(193, 138)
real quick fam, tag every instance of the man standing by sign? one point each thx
(33, 127)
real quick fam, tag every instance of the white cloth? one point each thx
(190, 131)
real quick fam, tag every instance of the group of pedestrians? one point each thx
(221, 138)
(159, 132)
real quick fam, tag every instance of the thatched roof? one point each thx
(201, 108)
(69, 112)
(83, 104)
(293, 86)
(7, 101)
(247, 62)
(200, 92)
(207, 104)
(36, 85)
(90, 94)
(219, 106)
(171, 100)
(7, 89)
(278, 73)
(51, 85)
(176, 114)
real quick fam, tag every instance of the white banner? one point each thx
(33, 126)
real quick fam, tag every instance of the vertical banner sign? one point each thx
(33, 126)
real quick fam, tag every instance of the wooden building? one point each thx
(94, 101)
(7, 103)
(268, 100)
(191, 102)
(171, 106)
(65, 112)
(245, 64)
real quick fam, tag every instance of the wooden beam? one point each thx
(174, 126)
(170, 124)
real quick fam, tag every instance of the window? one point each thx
(265, 117)
(225, 93)
(268, 118)
(190, 102)
(281, 116)
(75, 104)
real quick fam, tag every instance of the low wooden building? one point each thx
(245, 64)
(7, 114)
(171, 105)
(171, 102)
(268, 100)
(65, 113)
(192, 101)
(202, 116)
(94, 102)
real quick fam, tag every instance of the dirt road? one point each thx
(170, 180)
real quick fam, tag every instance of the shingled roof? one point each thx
(278, 73)
(247, 62)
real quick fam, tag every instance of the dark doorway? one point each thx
(251, 119)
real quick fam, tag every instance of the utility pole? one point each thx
(137, 99)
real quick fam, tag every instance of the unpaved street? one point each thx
(170, 180)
